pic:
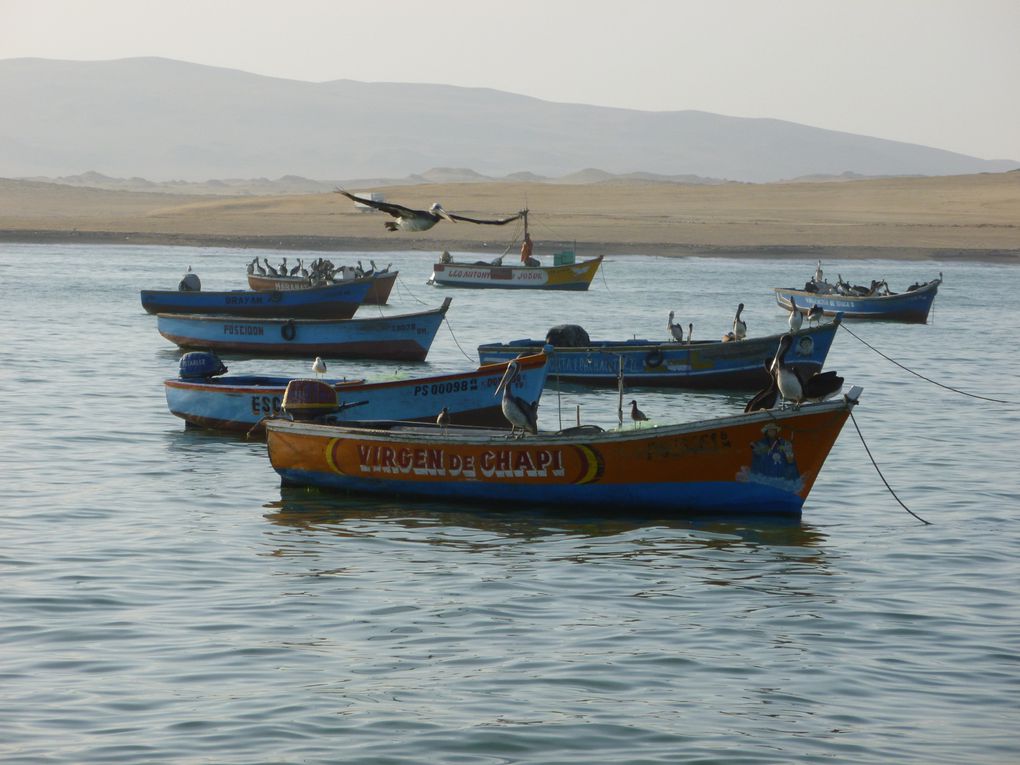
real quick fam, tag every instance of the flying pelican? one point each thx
(739, 325)
(419, 220)
(796, 317)
(319, 367)
(443, 420)
(636, 414)
(814, 315)
(794, 386)
(518, 412)
(676, 330)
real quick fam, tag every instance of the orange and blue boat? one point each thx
(764, 462)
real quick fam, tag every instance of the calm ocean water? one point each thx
(164, 601)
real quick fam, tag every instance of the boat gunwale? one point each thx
(429, 433)
(638, 346)
(299, 320)
(924, 289)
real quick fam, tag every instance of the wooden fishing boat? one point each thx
(334, 301)
(564, 274)
(401, 337)
(874, 302)
(572, 276)
(203, 398)
(702, 364)
(380, 284)
(763, 462)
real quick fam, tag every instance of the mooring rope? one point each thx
(918, 374)
(401, 285)
(455, 340)
(878, 470)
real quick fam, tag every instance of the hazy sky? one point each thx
(942, 73)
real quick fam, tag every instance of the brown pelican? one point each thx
(636, 414)
(796, 317)
(251, 266)
(271, 269)
(739, 325)
(297, 269)
(676, 330)
(768, 397)
(282, 268)
(690, 332)
(518, 412)
(814, 314)
(818, 273)
(794, 386)
(420, 220)
(259, 268)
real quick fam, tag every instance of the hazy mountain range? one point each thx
(143, 122)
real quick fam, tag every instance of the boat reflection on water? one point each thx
(314, 510)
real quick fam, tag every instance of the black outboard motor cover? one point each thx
(200, 364)
(568, 336)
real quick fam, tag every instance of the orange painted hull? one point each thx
(726, 465)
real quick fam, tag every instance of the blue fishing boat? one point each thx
(334, 301)
(736, 364)
(203, 395)
(857, 302)
(400, 337)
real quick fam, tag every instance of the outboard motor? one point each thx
(200, 364)
(568, 336)
(190, 283)
(309, 399)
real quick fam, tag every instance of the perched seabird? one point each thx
(251, 266)
(636, 414)
(259, 268)
(518, 412)
(794, 386)
(298, 268)
(767, 397)
(443, 420)
(690, 332)
(270, 268)
(796, 317)
(675, 330)
(282, 268)
(818, 273)
(739, 325)
(319, 366)
(814, 314)
(408, 219)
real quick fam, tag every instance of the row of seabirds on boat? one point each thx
(739, 329)
(877, 288)
(319, 271)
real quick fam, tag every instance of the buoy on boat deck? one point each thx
(308, 399)
(200, 364)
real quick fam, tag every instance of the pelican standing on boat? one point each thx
(794, 387)
(796, 317)
(518, 412)
(407, 219)
(739, 325)
(675, 330)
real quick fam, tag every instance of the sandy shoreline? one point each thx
(954, 218)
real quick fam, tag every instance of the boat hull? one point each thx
(574, 276)
(240, 403)
(912, 306)
(738, 365)
(404, 337)
(379, 285)
(338, 301)
(725, 466)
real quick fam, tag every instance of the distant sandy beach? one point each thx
(975, 217)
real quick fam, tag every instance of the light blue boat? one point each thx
(204, 396)
(401, 337)
(738, 364)
(910, 306)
